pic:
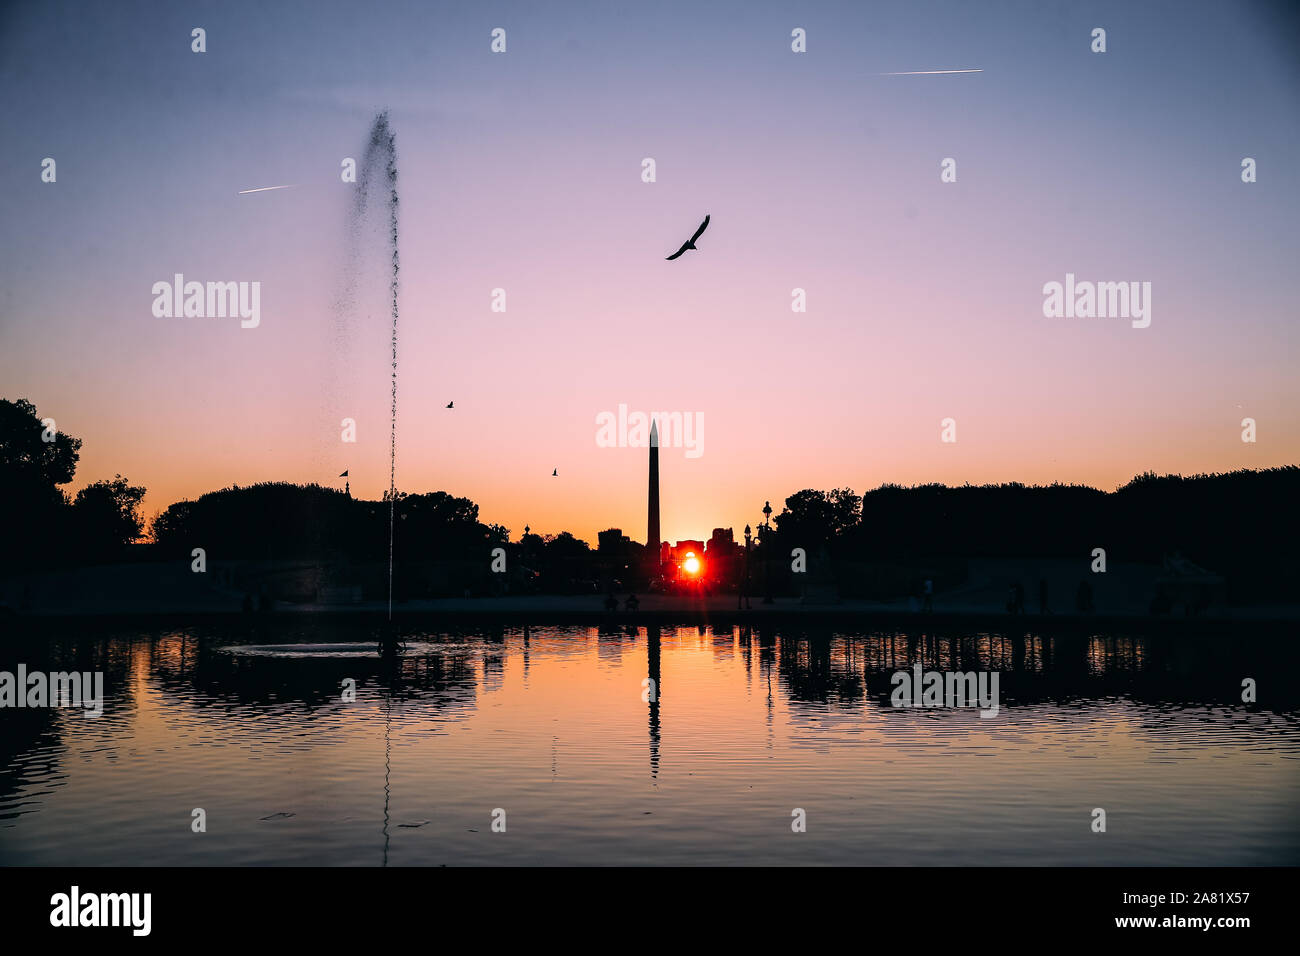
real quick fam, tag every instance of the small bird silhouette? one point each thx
(690, 243)
(555, 473)
(450, 404)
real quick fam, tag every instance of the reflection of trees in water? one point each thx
(193, 672)
(810, 664)
(212, 677)
(817, 671)
(804, 664)
(32, 740)
(816, 666)
(111, 654)
(31, 749)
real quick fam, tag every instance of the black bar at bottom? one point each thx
(918, 906)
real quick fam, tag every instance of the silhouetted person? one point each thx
(1018, 598)
(248, 602)
(632, 603)
(1083, 597)
(1042, 596)
(927, 602)
(611, 602)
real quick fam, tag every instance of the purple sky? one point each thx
(522, 171)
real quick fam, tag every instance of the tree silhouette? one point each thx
(818, 517)
(106, 517)
(32, 506)
(24, 450)
(1242, 525)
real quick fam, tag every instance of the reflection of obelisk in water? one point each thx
(653, 669)
(652, 564)
(652, 529)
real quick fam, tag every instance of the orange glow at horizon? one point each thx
(920, 302)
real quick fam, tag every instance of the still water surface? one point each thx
(550, 725)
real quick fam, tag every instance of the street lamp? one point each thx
(744, 581)
(767, 564)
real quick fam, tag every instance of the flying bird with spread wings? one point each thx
(690, 243)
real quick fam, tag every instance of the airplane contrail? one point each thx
(265, 188)
(928, 72)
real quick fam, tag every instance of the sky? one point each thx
(522, 171)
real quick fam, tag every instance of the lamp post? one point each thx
(767, 564)
(744, 580)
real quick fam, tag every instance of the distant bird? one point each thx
(555, 473)
(690, 243)
(450, 404)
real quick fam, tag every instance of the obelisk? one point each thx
(652, 523)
